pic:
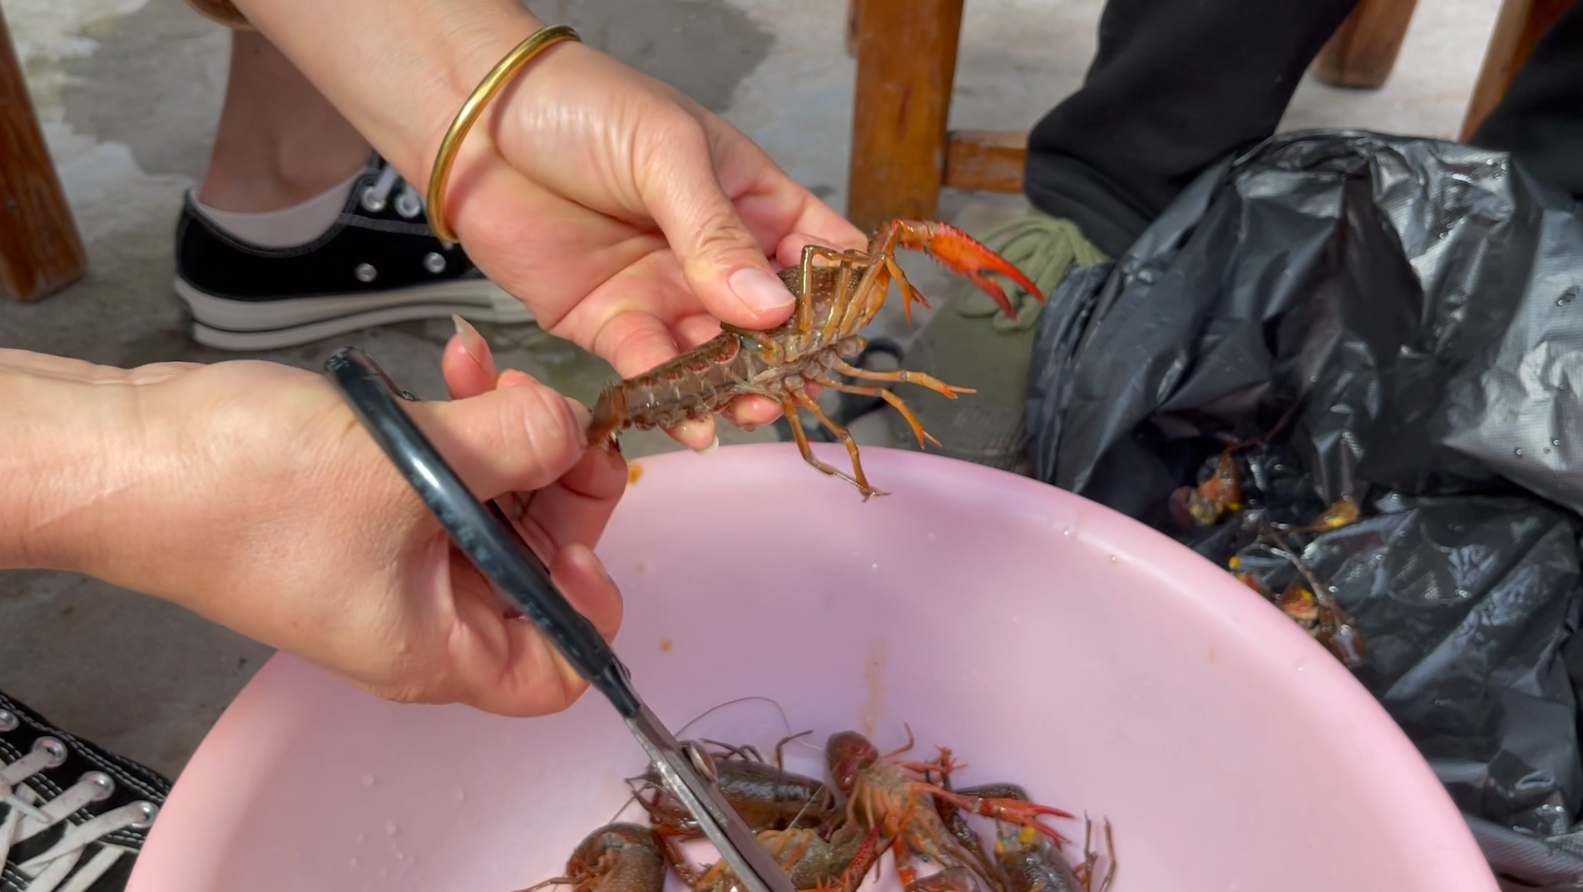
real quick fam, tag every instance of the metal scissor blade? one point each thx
(738, 846)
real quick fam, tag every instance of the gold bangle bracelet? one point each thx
(493, 83)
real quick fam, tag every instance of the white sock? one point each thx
(288, 227)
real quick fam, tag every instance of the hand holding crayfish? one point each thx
(838, 293)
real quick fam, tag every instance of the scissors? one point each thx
(487, 536)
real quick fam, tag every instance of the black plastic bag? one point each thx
(1400, 318)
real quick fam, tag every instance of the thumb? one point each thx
(724, 264)
(519, 438)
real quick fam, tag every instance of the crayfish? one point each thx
(836, 298)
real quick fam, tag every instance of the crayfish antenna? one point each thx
(558, 881)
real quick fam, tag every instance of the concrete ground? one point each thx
(129, 92)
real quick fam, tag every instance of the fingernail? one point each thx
(760, 290)
(585, 419)
(713, 445)
(472, 341)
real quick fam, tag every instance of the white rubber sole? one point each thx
(271, 325)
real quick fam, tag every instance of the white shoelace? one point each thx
(408, 202)
(27, 815)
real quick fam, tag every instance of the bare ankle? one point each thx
(280, 142)
(258, 179)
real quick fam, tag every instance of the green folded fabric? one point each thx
(970, 342)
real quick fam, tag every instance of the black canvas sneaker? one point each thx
(378, 263)
(73, 817)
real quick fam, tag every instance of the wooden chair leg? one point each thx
(1363, 50)
(1518, 28)
(906, 65)
(41, 251)
(854, 12)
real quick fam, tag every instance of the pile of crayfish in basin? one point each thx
(839, 292)
(831, 836)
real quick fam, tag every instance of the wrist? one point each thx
(478, 144)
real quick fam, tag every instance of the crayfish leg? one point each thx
(866, 859)
(1110, 850)
(859, 479)
(887, 396)
(902, 377)
(909, 293)
(780, 747)
(952, 879)
(746, 752)
(843, 291)
(904, 869)
(906, 747)
(789, 410)
(1012, 811)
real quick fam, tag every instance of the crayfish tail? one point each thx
(609, 415)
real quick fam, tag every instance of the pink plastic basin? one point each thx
(1047, 640)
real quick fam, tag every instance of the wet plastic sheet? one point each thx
(1404, 315)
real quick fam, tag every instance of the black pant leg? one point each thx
(1175, 87)
(1540, 121)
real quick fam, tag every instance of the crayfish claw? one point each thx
(969, 258)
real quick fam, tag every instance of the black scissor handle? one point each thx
(483, 533)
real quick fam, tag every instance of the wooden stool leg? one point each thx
(40, 249)
(1519, 26)
(854, 13)
(906, 64)
(1363, 50)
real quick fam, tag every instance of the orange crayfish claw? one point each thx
(969, 258)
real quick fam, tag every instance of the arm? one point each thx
(71, 434)
(248, 493)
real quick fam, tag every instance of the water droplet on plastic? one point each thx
(875, 567)
(461, 795)
(390, 828)
(1556, 442)
(1462, 593)
(368, 780)
(1067, 532)
(1517, 452)
(354, 862)
(1302, 668)
(1332, 589)
(1114, 559)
